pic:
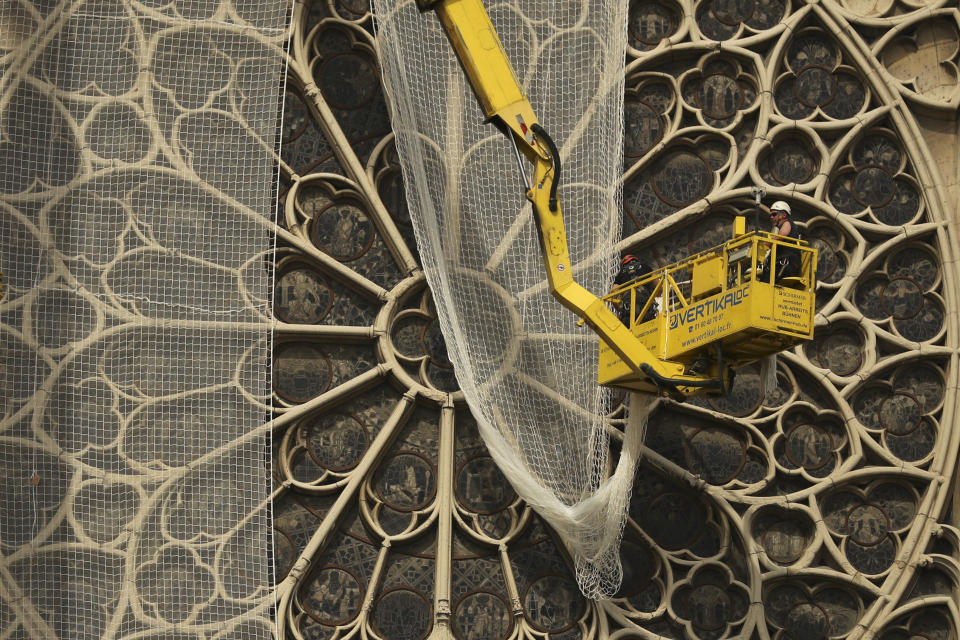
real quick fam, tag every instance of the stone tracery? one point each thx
(383, 489)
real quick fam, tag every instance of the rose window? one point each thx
(820, 508)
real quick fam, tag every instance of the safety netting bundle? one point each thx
(137, 184)
(527, 369)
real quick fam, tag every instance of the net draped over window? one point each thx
(137, 180)
(527, 370)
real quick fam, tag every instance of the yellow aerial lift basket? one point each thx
(719, 306)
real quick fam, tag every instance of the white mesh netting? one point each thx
(137, 183)
(528, 371)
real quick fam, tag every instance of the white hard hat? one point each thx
(780, 205)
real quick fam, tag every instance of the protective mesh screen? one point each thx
(137, 173)
(527, 369)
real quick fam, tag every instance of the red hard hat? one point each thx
(628, 258)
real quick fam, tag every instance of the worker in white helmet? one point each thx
(780, 218)
(788, 260)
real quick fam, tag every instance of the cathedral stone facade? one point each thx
(826, 508)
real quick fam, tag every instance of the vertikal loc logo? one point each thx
(709, 307)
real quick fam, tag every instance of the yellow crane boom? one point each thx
(628, 360)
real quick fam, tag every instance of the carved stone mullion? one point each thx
(510, 582)
(444, 506)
